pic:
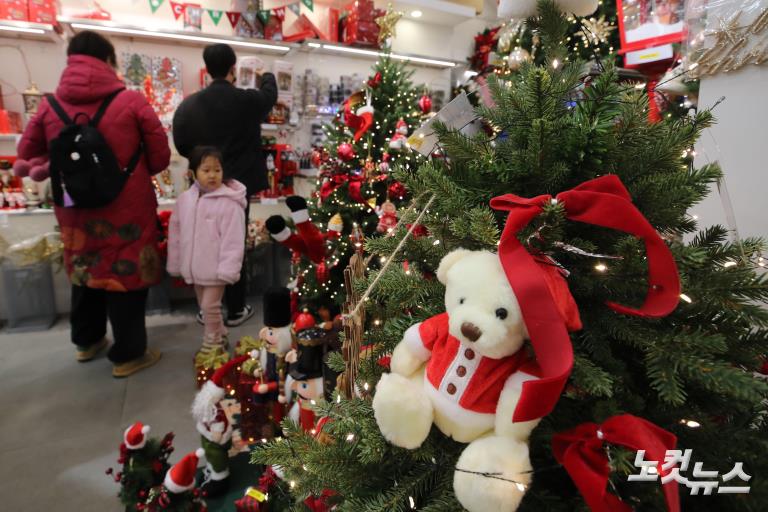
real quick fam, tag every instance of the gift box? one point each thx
(364, 33)
(362, 10)
(273, 29)
(42, 11)
(10, 122)
(14, 10)
(207, 362)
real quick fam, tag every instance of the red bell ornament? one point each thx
(425, 104)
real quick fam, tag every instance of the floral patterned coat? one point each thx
(115, 247)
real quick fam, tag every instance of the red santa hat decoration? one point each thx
(181, 477)
(135, 436)
(308, 240)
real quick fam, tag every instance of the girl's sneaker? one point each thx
(239, 318)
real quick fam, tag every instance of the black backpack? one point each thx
(84, 170)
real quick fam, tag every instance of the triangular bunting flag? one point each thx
(215, 15)
(178, 9)
(310, 4)
(234, 17)
(264, 15)
(155, 5)
(295, 8)
(279, 13)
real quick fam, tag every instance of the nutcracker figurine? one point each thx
(305, 375)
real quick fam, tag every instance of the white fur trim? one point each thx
(294, 414)
(206, 433)
(200, 453)
(402, 410)
(204, 404)
(282, 236)
(412, 339)
(365, 110)
(455, 421)
(145, 429)
(220, 475)
(300, 216)
(288, 388)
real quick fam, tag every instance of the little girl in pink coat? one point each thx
(206, 238)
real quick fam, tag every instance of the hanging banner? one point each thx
(279, 13)
(264, 15)
(295, 8)
(178, 9)
(310, 4)
(215, 15)
(234, 17)
(155, 5)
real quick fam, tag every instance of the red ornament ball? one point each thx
(425, 104)
(304, 320)
(397, 190)
(345, 151)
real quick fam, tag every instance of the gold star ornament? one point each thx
(387, 23)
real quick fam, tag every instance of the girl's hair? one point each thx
(200, 153)
(94, 45)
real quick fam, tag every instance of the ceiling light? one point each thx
(416, 14)
(407, 58)
(181, 37)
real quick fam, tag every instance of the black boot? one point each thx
(275, 224)
(214, 488)
(296, 203)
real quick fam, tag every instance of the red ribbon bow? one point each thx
(337, 180)
(603, 202)
(581, 452)
(319, 503)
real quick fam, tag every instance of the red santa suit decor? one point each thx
(308, 240)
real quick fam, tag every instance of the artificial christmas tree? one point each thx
(560, 141)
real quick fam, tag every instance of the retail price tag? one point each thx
(457, 114)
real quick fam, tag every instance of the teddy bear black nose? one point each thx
(471, 331)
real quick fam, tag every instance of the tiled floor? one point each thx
(62, 421)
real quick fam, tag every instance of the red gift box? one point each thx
(42, 11)
(14, 10)
(361, 33)
(253, 501)
(273, 30)
(362, 10)
(333, 24)
(10, 122)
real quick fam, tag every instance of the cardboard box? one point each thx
(42, 11)
(14, 10)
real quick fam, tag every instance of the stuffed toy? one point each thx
(214, 428)
(308, 240)
(37, 168)
(387, 213)
(464, 370)
(527, 8)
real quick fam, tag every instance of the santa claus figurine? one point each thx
(214, 428)
(307, 241)
(271, 371)
(387, 217)
(400, 139)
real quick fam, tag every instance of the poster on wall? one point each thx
(646, 23)
(249, 71)
(158, 78)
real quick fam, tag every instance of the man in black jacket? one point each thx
(229, 118)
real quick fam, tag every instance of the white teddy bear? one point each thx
(464, 370)
(525, 8)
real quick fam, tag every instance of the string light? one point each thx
(686, 298)
(350, 438)
(729, 264)
(601, 267)
(412, 502)
(690, 423)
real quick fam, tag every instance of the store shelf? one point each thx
(198, 39)
(318, 46)
(29, 30)
(267, 127)
(10, 136)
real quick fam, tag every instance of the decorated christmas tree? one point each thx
(357, 195)
(650, 342)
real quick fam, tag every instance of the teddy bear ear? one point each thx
(448, 261)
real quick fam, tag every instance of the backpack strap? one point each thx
(57, 108)
(134, 161)
(103, 107)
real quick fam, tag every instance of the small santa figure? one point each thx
(214, 428)
(387, 217)
(307, 240)
(400, 139)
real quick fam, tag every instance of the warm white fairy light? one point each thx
(412, 502)
(520, 487)
(293, 484)
(263, 440)
(338, 399)
(686, 298)
(601, 267)
(366, 386)
(350, 437)
(690, 423)
(729, 264)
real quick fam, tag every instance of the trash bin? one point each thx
(28, 295)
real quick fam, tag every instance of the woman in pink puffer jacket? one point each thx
(205, 238)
